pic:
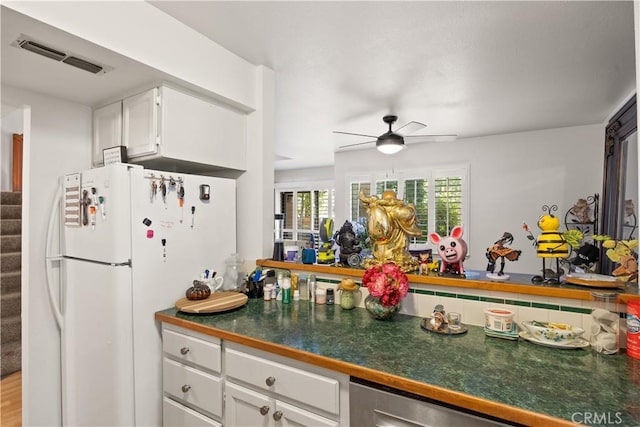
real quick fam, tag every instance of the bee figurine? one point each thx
(550, 244)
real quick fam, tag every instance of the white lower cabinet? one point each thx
(248, 408)
(244, 407)
(210, 382)
(175, 414)
(193, 387)
(289, 415)
(191, 378)
(263, 389)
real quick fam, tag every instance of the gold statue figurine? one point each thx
(390, 224)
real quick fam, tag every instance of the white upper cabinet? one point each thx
(197, 129)
(107, 129)
(140, 124)
(166, 128)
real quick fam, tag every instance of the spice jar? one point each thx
(331, 298)
(268, 292)
(321, 296)
(348, 290)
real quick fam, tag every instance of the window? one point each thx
(304, 208)
(440, 197)
(357, 209)
(416, 192)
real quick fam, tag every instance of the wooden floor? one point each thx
(11, 400)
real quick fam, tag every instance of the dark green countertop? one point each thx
(574, 385)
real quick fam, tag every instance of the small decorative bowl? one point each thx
(555, 333)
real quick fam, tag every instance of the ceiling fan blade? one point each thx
(355, 145)
(410, 127)
(415, 139)
(356, 134)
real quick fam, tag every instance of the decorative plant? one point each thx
(387, 282)
(621, 252)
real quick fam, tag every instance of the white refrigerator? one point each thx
(131, 241)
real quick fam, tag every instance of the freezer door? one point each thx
(97, 214)
(97, 345)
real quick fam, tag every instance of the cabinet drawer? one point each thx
(191, 350)
(195, 387)
(177, 415)
(312, 389)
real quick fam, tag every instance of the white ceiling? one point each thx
(467, 68)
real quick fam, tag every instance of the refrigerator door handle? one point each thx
(53, 301)
(92, 261)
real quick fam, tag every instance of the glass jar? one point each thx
(348, 298)
(303, 287)
(232, 277)
(605, 329)
(348, 290)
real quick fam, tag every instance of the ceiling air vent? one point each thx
(82, 64)
(43, 50)
(27, 43)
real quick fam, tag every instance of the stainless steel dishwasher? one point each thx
(374, 405)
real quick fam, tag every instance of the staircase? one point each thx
(10, 282)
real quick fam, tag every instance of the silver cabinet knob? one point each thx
(184, 350)
(186, 388)
(277, 415)
(264, 410)
(270, 381)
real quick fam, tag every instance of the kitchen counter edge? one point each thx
(462, 400)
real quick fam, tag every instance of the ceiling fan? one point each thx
(391, 142)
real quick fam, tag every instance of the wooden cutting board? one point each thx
(216, 303)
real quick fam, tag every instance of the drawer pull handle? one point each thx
(270, 381)
(186, 388)
(184, 350)
(264, 410)
(277, 415)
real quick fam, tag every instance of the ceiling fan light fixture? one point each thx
(390, 143)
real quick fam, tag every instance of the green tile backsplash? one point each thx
(493, 300)
(580, 310)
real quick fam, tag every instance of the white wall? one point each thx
(511, 177)
(11, 123)
(57, 140)
(255, 186)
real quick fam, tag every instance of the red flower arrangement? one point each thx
(387, 282)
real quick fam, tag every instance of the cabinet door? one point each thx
(246, 408)
(140, 123)
(288, 415)
(107, 129)
(195, 129)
